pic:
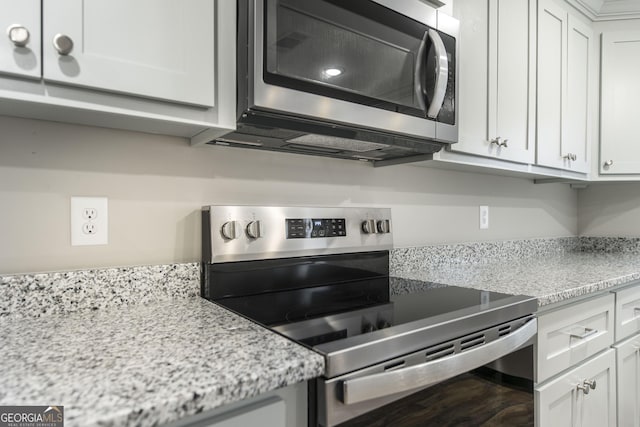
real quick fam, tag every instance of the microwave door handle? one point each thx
(442, 75)
(426, 374)
(418, 71)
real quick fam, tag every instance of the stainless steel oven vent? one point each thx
(472, 341)
(439, 351)
(504, 330)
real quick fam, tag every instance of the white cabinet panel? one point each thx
(497, 58)
(627, 312)
(573, 334)
(153, 48)
(628, 367)
(564, 56)
(577, 139)
(552, 82)
(511, 84)
(563, 401)
(620, 92)
(472, 82)
(24, 59)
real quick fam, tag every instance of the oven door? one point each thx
(360, 60)
(447, 373)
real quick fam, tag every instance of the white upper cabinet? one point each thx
(620, 94)
(564, 57)
(497, 94)
(20, 38)
(157, 66)
(152, 48)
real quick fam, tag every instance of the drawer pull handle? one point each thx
(587, 333)
(636, 310)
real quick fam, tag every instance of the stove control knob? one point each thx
(369, 226)
(254, 229)
(228, 230)
(382, 324)
(384, 226)
(368, 327)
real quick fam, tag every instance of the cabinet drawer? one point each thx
(572, 334)
(627, 312)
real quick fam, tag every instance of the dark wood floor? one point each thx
(467, 400)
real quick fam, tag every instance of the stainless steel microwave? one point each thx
(358, 79)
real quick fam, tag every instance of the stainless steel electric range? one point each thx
(320, 276)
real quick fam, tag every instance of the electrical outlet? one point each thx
(89, 213)
(89, 221)
(484, 217)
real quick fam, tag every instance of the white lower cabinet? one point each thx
(571, 335)
(584, 396)
(628, 366)
(284, 407)
(584, 376)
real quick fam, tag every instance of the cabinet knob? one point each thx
(63, 44)
(18, 35)
(586, 386)
(608, 163)
(571, 156)
(499, 143)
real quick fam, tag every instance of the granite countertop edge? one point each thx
(146, 367)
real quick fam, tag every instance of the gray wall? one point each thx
(157, 184)
(609, 209)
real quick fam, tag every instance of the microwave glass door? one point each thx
(357, 51)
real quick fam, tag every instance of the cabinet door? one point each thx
(472, 83)
(497, 57)
(620, 91)
(22, 56)
(153, 48)
(552, 83)
(563, 401)
(628, 366)
(564, 43)
(511, 84)
(577, 138)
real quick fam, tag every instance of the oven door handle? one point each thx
(426, 374)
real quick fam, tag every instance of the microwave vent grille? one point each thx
(352, 145)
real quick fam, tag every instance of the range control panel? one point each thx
(311, 228)
(237, 233)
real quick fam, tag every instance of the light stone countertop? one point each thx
(144, 365)
(551, 279)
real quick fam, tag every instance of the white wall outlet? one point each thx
(484, 217)
(89, 221)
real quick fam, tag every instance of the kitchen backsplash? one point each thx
(418, 258)
(35, 295)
